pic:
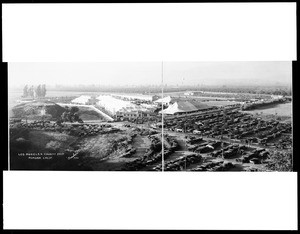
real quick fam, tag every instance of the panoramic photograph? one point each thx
(150, 116)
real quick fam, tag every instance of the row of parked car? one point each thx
(257, 156)
(214, 166)
(153, 154)
(229, 151)
(180, 163)
(233, 124)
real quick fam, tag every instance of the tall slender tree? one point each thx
(31, 92)
(25, 91)
(38, 91)
(43, 90)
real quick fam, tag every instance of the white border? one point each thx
(150, 200)
(150, 32)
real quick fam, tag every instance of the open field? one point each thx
(221, 103)
(284, 109)
(87, 114)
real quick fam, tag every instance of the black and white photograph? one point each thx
(142, 116)
(149, 116)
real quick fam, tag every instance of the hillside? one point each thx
(38, 109)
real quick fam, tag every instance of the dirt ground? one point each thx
(107, 152)
(101, 152)
(40, 150)
(38, 141)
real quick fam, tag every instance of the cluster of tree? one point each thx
(70, 115)
(34, 92)
(150, 89)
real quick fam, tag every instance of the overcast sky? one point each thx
(150, 73)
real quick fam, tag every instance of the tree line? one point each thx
(34, 92)
(149, 89)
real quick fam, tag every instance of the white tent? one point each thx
(83, 99)
(113, 104)
(165, 100)
(172, 109)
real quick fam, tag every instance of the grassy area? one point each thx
(87, 114)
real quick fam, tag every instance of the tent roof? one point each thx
(163, 100)
(172, 109)
(184, 106)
